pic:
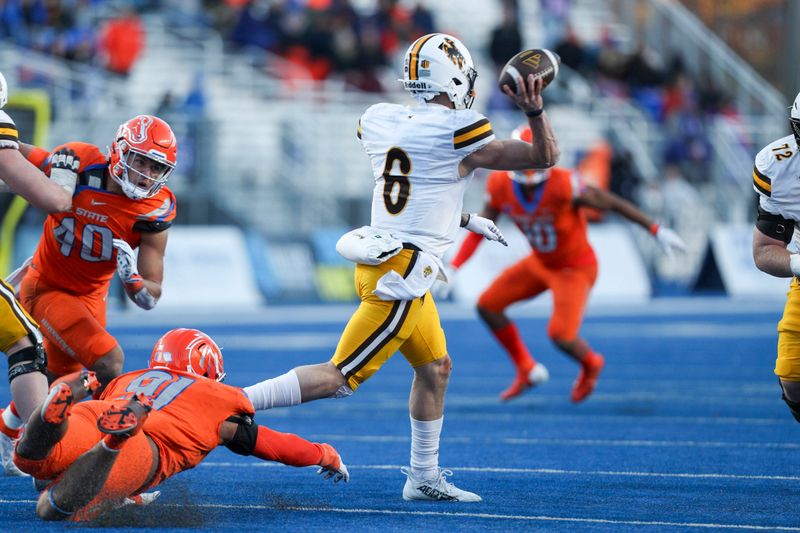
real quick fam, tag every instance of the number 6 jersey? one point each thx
(76, 253)
(415, 155)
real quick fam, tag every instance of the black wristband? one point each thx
(534, 113)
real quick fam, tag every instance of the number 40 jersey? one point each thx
(415, 155)
(76, 252)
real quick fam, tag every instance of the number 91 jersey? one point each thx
(415, 155)
(76, 252)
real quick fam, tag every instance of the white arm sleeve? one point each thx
(283, 391)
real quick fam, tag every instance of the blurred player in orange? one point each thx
(545, 206)
(147, 426)
(20, 338)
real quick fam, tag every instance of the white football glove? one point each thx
(126, 262)
(15, 278)
(669, 241)
(332, 466)
(64, 166)
(132, 281)
(485, 227)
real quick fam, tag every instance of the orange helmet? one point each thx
(531, 176)
(188, 350)
(142, 156)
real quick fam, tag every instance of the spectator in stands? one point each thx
(571, 51)
(504, 42)
(555, 15)
(422, 21)
(506, 38)
(679, 196)
(393, 23)
(625, 179)
(122, 41)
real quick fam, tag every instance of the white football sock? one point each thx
(11, 420)
(29, 391)
(283, 391)
(425, 447)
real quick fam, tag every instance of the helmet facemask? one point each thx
(795, 124)
(140, 175)
(142, 156)
(794, 118)
(3, 91)
(530, 177)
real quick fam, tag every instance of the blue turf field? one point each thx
(686, 432)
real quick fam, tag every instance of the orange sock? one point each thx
(590, 358)
(510, 339)
(286, 448)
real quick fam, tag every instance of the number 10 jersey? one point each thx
(415, 155)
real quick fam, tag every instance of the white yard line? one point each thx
(455, 514)
(536, 471)
(569, 442)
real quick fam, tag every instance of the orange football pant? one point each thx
(528, 278)
(73, 325)
(133, 467)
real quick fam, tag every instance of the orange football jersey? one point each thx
(76, 252)
(555, 228)
(188, 411)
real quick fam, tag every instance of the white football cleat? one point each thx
(145, 498)
(437, 489)
(539, 374)
(522, 382)
(7, 456)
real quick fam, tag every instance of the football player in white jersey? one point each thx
(20, 338)
(777, 167)
(422, 160)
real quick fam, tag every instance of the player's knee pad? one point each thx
(27, 360)
(794, 407)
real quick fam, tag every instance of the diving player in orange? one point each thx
(545, 206)
(121, 203)
(148, 426)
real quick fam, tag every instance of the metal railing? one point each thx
(667, 25)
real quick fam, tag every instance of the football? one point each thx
(540, 62)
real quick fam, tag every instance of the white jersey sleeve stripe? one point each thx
(761, 182)
(472, 134)
(9, 136)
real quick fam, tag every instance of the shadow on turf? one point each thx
(181, 513)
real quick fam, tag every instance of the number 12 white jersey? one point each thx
(415, 155)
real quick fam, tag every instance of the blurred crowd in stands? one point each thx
(324, 38)
(100, 32)
(320, 39)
